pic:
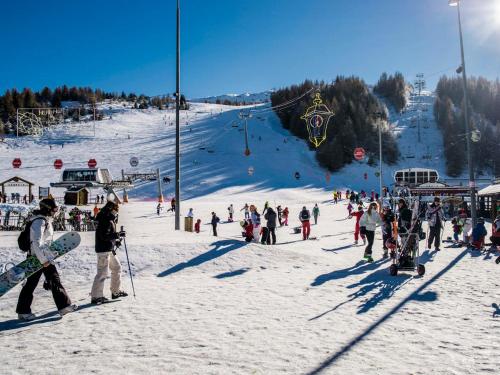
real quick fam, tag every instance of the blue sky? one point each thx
(234, 46)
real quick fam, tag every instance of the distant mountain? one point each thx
(246, 98)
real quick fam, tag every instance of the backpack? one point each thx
(304, 215)
(24, 240)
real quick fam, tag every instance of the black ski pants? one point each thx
(58, 292)
(271, 236)
(434, 236)
(370, 237)
(214, 228)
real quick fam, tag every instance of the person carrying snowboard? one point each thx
(316, 213)
(215, 220)
(40, 233)
(435, 219)
(304, 218)
(369, 221)
(107, 238)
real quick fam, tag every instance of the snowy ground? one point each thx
(210, 305)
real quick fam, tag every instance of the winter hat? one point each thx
(48, 205)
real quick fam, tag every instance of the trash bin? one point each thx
(188, 224)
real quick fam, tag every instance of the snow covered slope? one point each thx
(246, 98)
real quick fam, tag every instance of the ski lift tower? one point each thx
(420, 85)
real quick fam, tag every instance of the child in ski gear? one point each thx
(304, 218)
(315, 213)
(248, 233)
(285, 216)
(106, 239)
(349, 209)
(158, 209)
(478, 234)
(270, 216)
(41, 233)
(255, 217)
(231, 213)
(280, 211)
(387, 227)
(197, 226)
(370, 220)
(358, 214)
(215, 220)
(435, 219)
(247, 213)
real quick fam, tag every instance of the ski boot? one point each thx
(68, 309)
(119, 294)
(98, 300)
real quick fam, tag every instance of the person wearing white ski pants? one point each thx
(104, 261)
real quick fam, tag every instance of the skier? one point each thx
(197, 226)
(106, 239)
(41, 232)
(304, 218)
(478, 234)
(231, 213)
(215, 220)
(457, 229)
(247, 213)
(435, 219)
(255, 217)
(369, 221)
(172, 205)
(158, 209)
(358, 214)
(316, 213)
(280, 211)
(335, 197)
(285, 216)
(270, 216)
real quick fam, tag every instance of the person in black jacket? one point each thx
(106, 239)
(270, 216)
(215, 221)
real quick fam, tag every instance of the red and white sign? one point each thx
(359, 153)
(58, 163)
(16, 163)
(92, 163)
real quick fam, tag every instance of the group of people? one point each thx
(107, 240)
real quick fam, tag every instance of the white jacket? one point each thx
(370, 222)
(41, 233)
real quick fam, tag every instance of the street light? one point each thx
(472, 183)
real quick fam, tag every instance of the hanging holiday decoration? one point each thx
(317, 117)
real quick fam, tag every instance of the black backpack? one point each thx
(24, 240)
(304, 215)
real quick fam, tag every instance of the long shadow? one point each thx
(224, 275)
(428, 256)
(11, 324)
(358, 269)
(338, 248)
(220, 248)
(417, 295)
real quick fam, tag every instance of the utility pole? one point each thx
(177, 124)
(461, 69)
(420, 85)
(246, 116)
(379, 123)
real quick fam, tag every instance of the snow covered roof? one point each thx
(490, 190)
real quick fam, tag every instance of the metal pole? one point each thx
(177, 125)
(380, 155)
(17, 122)
(472, 183)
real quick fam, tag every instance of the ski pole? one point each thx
(128, 263)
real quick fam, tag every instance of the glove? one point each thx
(122, 234)
(118, 243)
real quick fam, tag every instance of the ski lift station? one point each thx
(84, 177)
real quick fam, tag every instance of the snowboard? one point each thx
(16, 274)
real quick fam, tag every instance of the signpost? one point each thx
(134, 161)
(58, 164)
(359, 153)
(92, 163)
(16, 163)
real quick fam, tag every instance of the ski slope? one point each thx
(209, 305)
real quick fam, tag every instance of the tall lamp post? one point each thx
(177, 124)
(379, 120)
(472, 183)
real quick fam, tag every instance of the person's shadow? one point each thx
(13, 324)
(358, 269)
(220, 248)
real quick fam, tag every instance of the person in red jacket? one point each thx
(197, 226)
(285, 216)
(358, 215)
